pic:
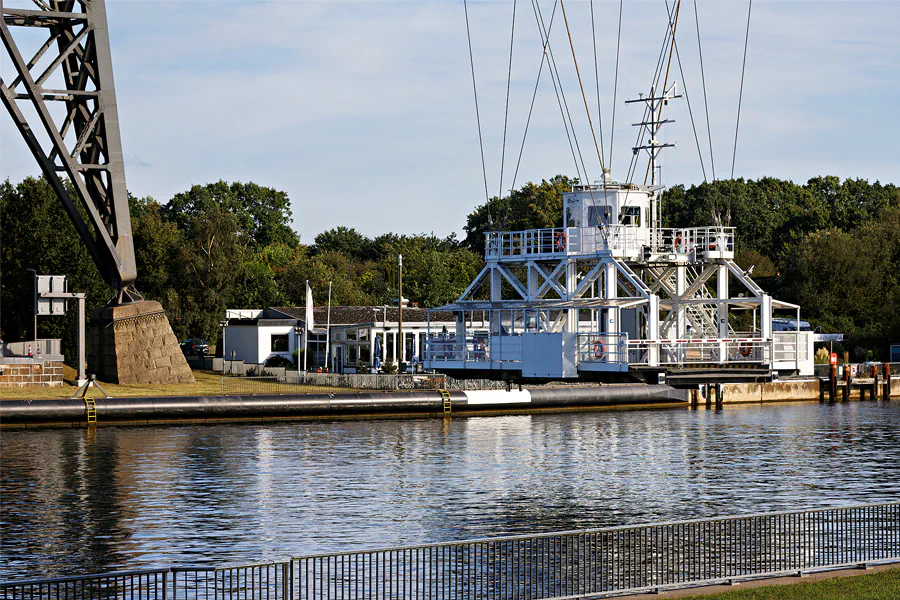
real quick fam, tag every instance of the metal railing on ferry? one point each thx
(591, 562)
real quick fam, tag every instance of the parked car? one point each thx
(194, 347)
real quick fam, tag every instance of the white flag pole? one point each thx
(308, 324)
(328, 333)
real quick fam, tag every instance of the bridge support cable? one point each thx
(741, 93)
(597, 81)
(560, 94)
(612, 132)
(687, 99)
(587, 110)
(477, 114)
(512, 37)
(533, 96)
(712, 159)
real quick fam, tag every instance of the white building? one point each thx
(360, 338)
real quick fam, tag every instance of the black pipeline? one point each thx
(412, 404)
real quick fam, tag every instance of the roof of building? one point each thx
(352, 315)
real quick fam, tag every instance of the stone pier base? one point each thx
(133, 343)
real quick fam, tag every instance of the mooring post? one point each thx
(845, 393)
(832, 383)
(719, 395)
(886, 391)
(874, 382)
(821, 389)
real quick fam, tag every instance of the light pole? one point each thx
(298, 331)
(34, 272)
(223, 324)
(400, 323)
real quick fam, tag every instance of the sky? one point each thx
(363, 111)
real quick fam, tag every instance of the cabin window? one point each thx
(598, 215)
(572, 218)
(631, 215)
(280, 342)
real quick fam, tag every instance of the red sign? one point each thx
(833, 358)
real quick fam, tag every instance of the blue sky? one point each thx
(363, 112)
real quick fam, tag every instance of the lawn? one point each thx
(884, 585)
(207, 383)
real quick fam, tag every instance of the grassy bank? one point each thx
(206, 383)
(884, 585)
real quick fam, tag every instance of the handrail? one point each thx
(574, 562)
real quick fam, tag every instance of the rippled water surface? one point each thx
(76, 501)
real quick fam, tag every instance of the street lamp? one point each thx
(298, 331)
(34, 272)
(223, 324)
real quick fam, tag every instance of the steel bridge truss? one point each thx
(62, 100)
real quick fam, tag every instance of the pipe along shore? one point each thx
(414, 404)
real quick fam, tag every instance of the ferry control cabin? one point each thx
(611, 296)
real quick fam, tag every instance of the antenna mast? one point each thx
(653, 146)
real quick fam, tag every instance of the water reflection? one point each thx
(75, 501)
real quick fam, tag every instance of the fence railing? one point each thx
(590, 562)
(326, 383)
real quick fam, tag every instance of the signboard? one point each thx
(833, 358)
(49, 284)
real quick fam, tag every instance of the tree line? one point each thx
(832, 246)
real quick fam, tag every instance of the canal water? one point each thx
(78, 501)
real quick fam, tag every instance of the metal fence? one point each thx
(584, 563)
(327, 383)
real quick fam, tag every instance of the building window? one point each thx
(351, 355)
(351, 335)
(280, 342)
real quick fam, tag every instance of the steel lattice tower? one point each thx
(73, 128)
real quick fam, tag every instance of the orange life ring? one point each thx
(561, 241)
(599, 349)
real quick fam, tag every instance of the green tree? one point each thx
(346, 240)
(261, 213)
(36, 233)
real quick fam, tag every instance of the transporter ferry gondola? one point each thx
(611, 295)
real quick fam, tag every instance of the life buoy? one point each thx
(561, 241)
(677, 241)
(599, 349)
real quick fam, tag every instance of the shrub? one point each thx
(279, 361)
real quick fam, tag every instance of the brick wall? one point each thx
(35, 373)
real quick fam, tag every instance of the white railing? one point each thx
(695, 239)
(564, 241)
(789, 346)
(606, 348)
(700, 351)
(617, 239)
(446, 347)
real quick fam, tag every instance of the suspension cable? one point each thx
(741, 94)
(712, 159)
(587, 110)
(512, 37)
(674, 28)
(687, 99)
(534, 94)
(477, 114)
(612, 133)
(597, 80)
(557, 86)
